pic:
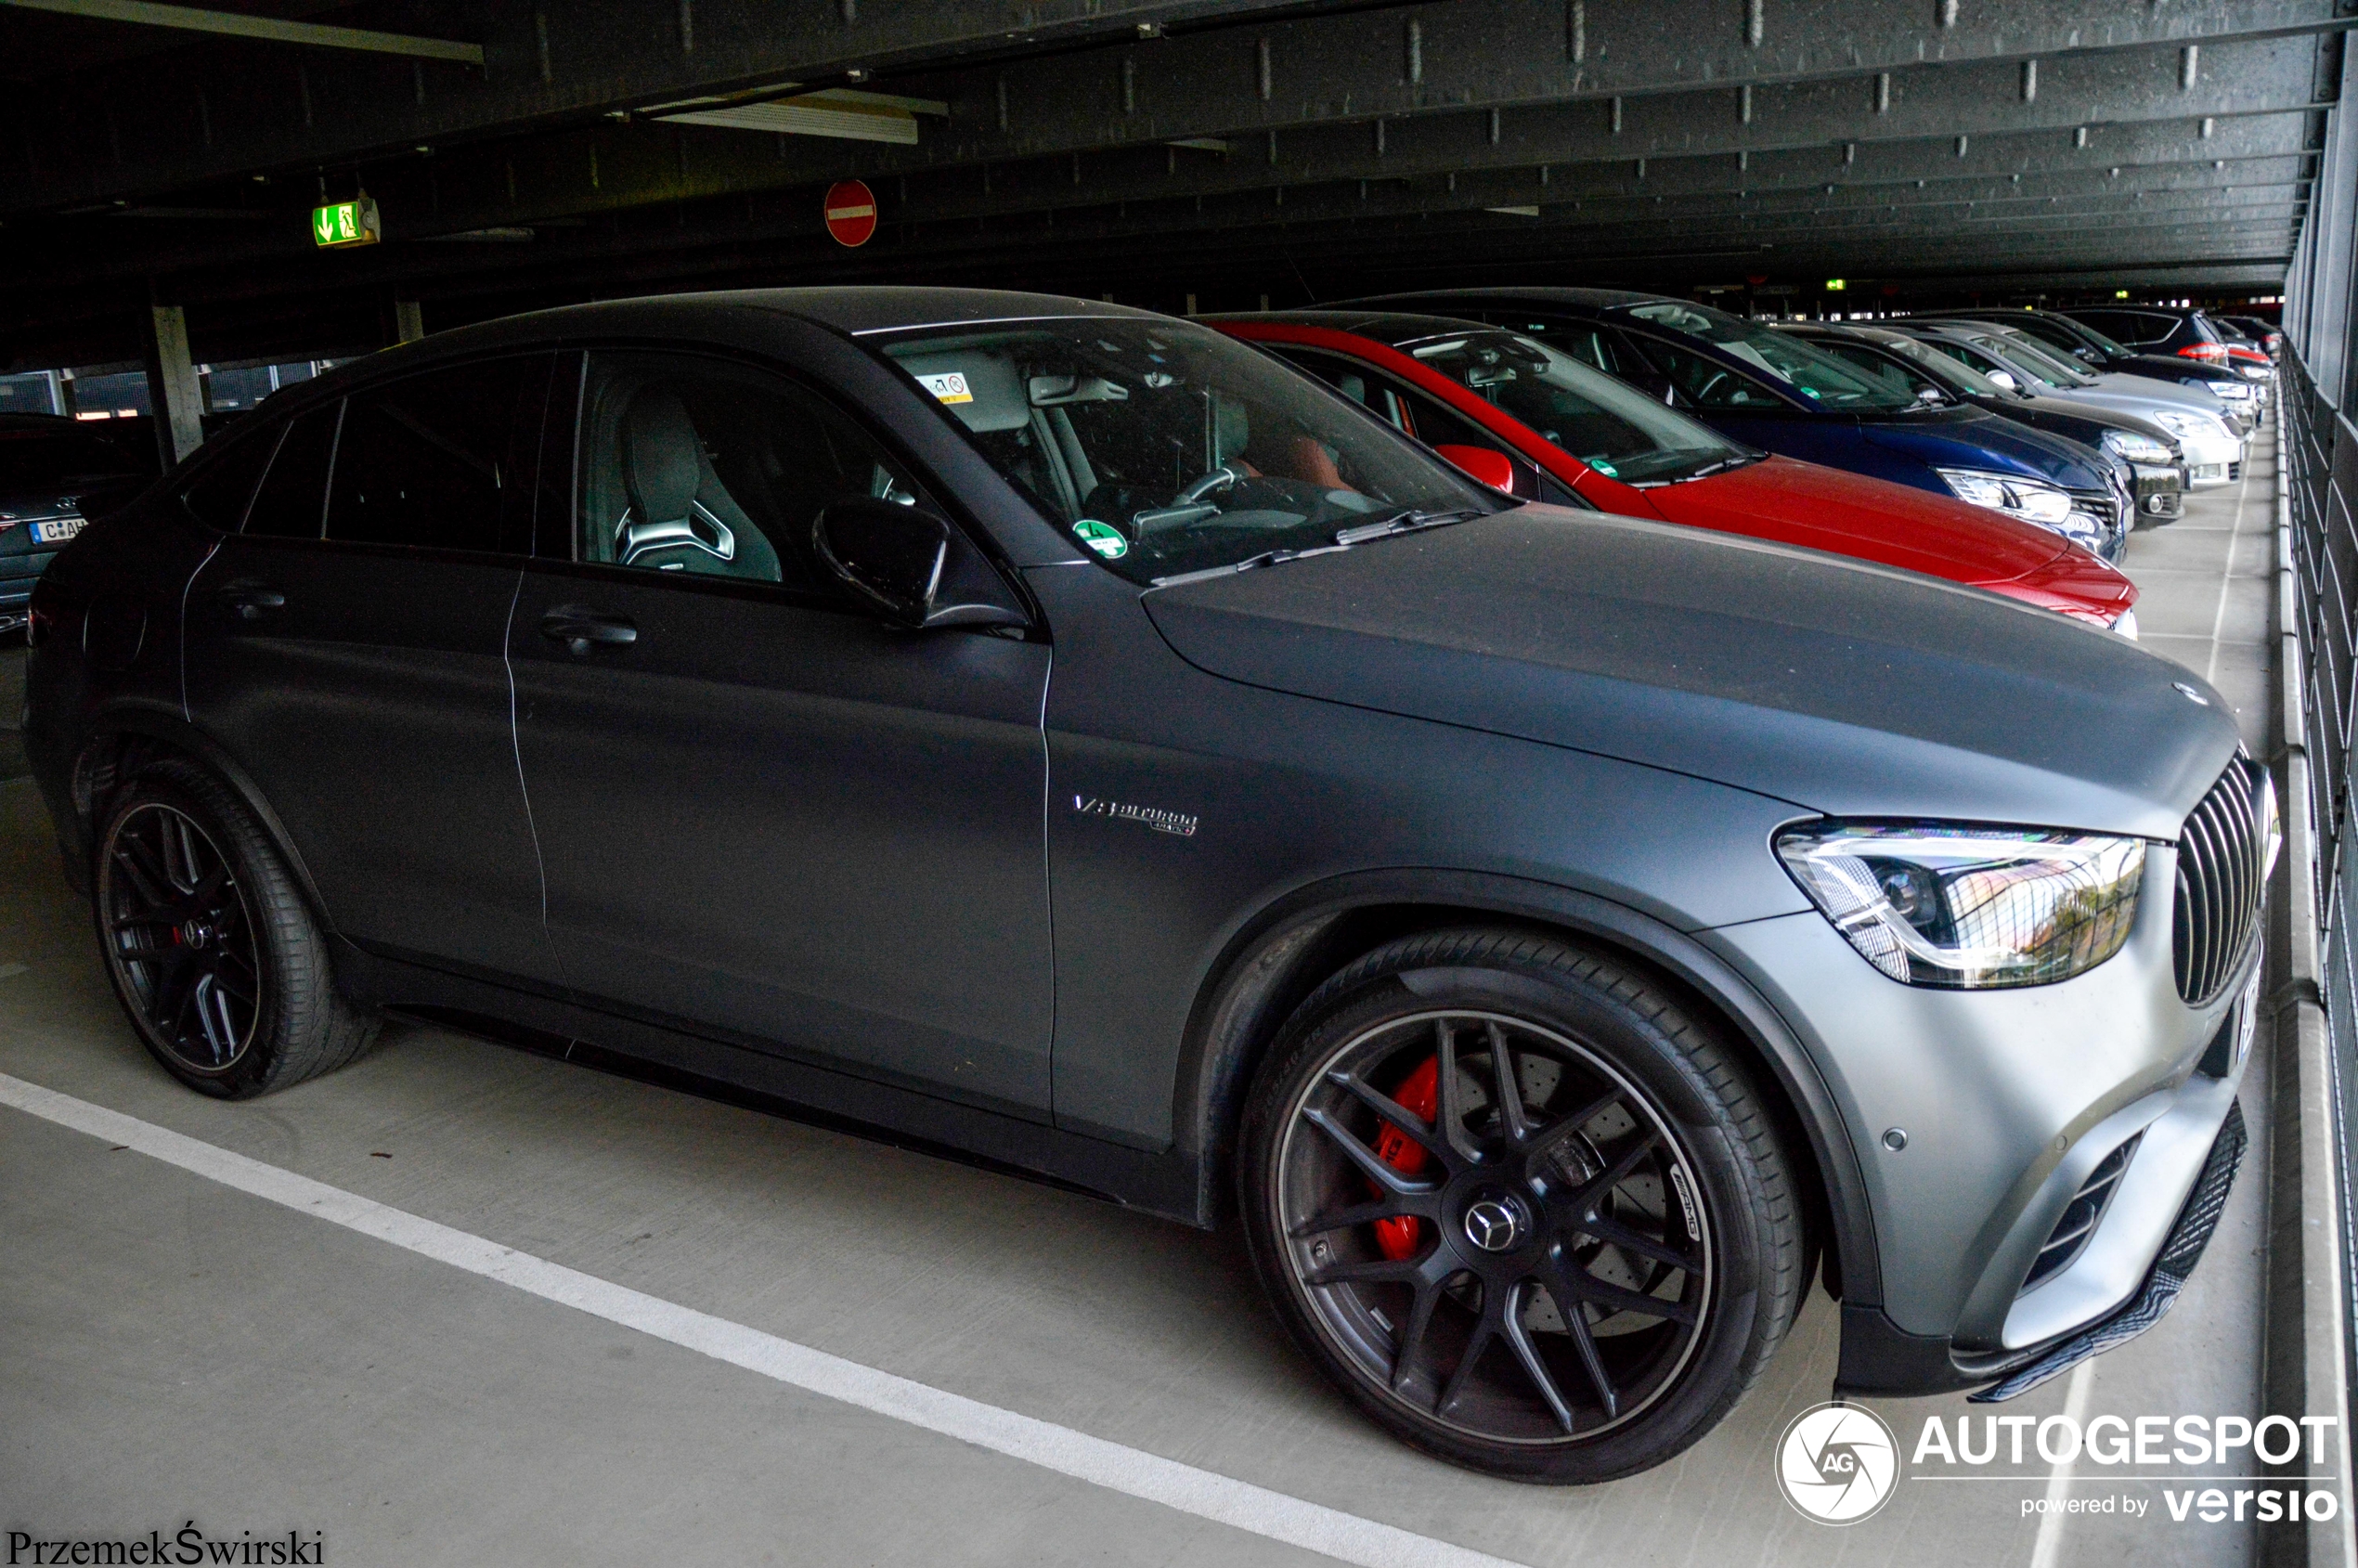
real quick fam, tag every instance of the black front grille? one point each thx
(2078, 1222)
(2222, 864)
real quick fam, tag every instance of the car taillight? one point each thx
(2204, 350)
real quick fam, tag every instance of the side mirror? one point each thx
(2004, 379)
(912, 566)
(1484, 464)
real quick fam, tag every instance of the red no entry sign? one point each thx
(851, 210)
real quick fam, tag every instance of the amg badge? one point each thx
(1152, 816)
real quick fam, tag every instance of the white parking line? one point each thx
(2047, 1550)
(1113, 1466)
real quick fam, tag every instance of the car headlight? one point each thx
(2033, 500)
(2135, 447)
(1970, 908)
(2127, 625)
(2189, 425)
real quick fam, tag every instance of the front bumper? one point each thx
(2009, 1100)
(2160, 491)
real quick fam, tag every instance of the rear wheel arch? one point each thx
(122, 743)
(1274, 965)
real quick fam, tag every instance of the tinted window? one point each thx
(425, 461)
(1879, 367)
(288, 504)
(217, 498)
(1819, 379)
(709, 469)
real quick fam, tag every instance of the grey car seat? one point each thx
(681, 517)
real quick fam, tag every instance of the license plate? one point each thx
(58, 532)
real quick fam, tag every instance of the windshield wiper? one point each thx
(1739, 460)
(1266, 558)
(1405, 521)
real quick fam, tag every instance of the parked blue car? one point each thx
(1774, 391)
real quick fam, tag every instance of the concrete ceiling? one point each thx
(1225, 150)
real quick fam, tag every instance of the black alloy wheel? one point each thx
(181, 938)
(211, 948)
(1480, 1181)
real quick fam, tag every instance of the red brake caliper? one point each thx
(1419, 1095)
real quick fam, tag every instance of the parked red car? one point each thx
(1523, 416)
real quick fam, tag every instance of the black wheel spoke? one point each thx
(147, 882)
(1390, 1206)
(1587, 1287)
(1592, 1193)
(1564, 1127)
(1410, 1124)
(1368, 1159)
(1629, 1240)
(1585, 1344)
(1449, 1109)
(1478, 1342)
(1379, 1271)
(1512, 1118)
(1413, 1334)
(1519, 1338)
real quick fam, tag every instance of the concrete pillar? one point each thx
(173, 389)
(409, 321)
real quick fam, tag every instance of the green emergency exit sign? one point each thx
(345, 223)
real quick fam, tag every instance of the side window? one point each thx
(427, 461)
(217, 497)
(1704, 382)
(710, 469)
(1361, 385)
(288, 504)
(1973, 358)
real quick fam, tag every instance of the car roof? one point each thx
(1390, 328)
(1590, 299)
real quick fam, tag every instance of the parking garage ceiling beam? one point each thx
(1806, 61)
(238, 24)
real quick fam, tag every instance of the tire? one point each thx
(211, 948)
(1420, 1236)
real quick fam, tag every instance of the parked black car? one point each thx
(2237, 397)
(2148, 455)
(2263, 334)
(1068, 733)
(2152, 329)
(54, 474)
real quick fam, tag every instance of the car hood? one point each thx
(2121, 387)
(1826, 509)
(1846, 688)
(1992, 444)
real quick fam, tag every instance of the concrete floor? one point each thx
(177, 1349)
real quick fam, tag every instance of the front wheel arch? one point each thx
(1284, 954)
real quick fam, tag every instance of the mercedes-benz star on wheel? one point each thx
(1067, 733)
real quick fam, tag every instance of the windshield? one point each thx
(40, 459)
(1952, 371)
(2028, 352)
(1819, 377)
(1607, 424)
(1166, 449)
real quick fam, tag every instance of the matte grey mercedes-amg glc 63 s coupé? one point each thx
(1065, 733)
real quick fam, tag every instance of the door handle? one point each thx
(581, 629)
(250, 600)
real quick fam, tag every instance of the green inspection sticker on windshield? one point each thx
(1604, 468)
(1103, 537)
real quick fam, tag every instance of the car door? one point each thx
(767, 815)
(347, 650)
